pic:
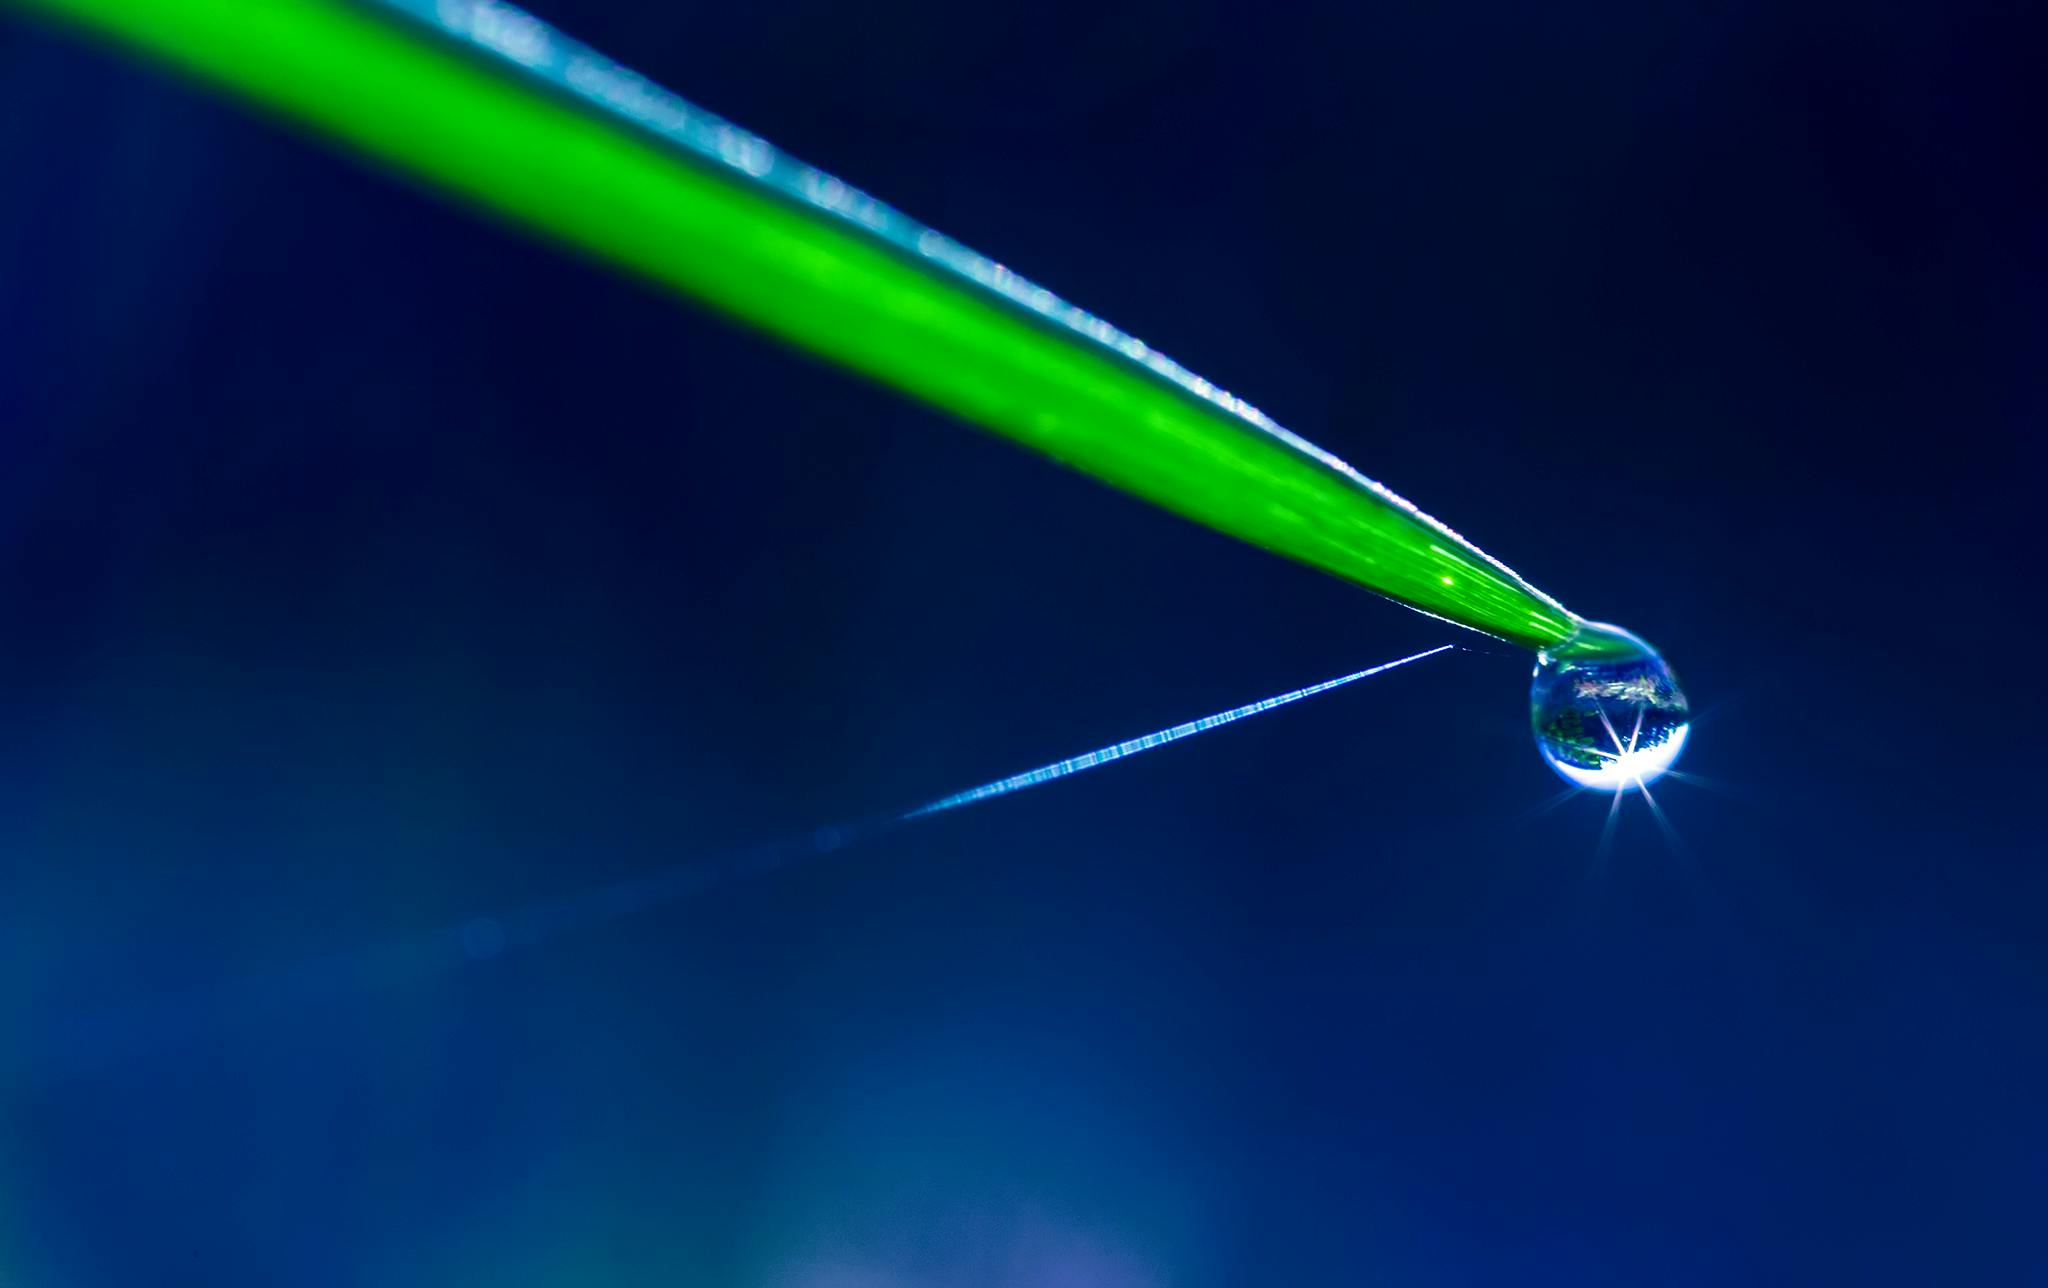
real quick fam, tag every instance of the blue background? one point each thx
(365, 567)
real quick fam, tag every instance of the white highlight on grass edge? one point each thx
(1131, 747)
(540, 50)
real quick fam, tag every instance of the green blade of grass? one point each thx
(473, 120)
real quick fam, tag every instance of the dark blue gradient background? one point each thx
(364, 567)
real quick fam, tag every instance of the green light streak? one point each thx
(513, 148)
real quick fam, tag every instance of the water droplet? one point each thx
(1607, 711)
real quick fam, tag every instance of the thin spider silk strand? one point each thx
(1131, 747)
(91, 1041)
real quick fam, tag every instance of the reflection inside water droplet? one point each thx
(1607, 711)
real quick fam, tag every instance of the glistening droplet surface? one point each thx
(1607, 711)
